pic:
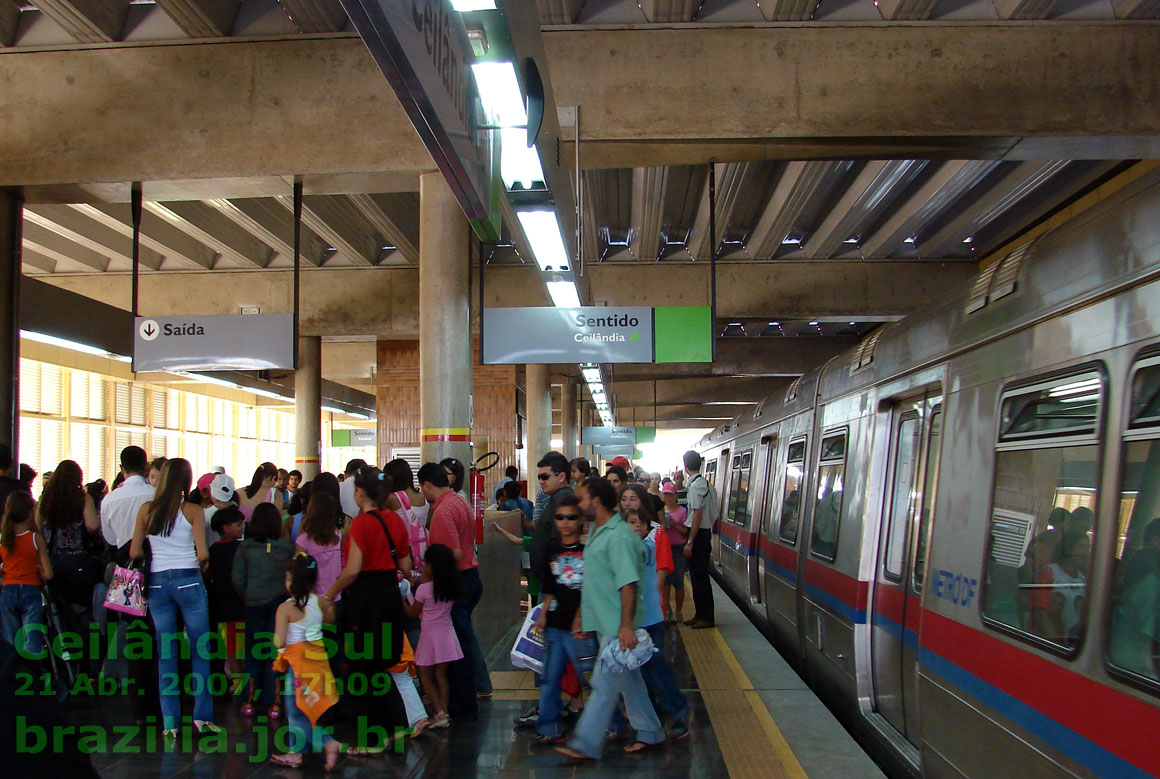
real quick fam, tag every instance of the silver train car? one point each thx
(952, 531)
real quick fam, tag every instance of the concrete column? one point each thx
(11, 223)
(308, 406)
(444, 324)
(539, 414)
(568, 418)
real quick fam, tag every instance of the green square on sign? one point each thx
(683, 333)
(634, 336)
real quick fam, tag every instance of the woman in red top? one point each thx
(372, 608)
(22, 551)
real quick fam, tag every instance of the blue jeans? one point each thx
(560, 647)
(607, 690)
(20, 605)
(303, 736)
(169, 592)
(260, 638)
(658, 678)
(469, 675)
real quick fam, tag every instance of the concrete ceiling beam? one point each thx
(733, 179)
(559, 11)
(202, 18)
(949, 180)
(9, 22)
(648, 206)
(1136, 9)
(87, 21)
(212, 110)
(1016, 185)
(59, 249)
(394, 234)
(905, 10)
(667, 11)
(788, 10)
(339, 225)
(703, 390)
(156, 233)
(314, 16)
(795, 188)
(269, 223)
(91, 235)
(1023, 9)
(870, 187)
(825, 92)
(33, 262)
(208, 226)
(790, 356)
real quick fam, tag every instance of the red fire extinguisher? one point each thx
(482, 463)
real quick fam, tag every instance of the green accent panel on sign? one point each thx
(646, 435)
(340, 438)
(637, 454)
(683, 333)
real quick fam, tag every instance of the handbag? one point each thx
(529, 650)
(127, 592)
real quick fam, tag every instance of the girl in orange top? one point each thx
(22, 553)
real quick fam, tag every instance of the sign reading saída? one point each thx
(214, 343)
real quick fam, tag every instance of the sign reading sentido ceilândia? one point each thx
(214, 343)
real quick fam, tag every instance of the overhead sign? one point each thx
(614, 450)
(550, 335)
(599, 334)
(607, 435)
(213, 343)
(422, 48)
(353, 438)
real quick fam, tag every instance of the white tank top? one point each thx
(175, 551)
(309, 628)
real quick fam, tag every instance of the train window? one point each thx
(791, 503)
(1044, 509)
(901, 494)
(1134, 627)
(828, 511)
(739, 489)
(929, 490)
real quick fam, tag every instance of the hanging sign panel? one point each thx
(353, 438)
(214, 343)
(614, 450)
(607, 435)
(597, 334)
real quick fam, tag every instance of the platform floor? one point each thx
(753, 717)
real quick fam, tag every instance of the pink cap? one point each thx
(204, 482)
(669, 489)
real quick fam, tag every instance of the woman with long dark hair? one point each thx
(457, 476)
(260, 490)
(175, 531)
(372, 613)
(410, 504)
(67, 517)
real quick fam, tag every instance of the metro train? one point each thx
(951, 531)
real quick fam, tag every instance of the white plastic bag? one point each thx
(529, 650)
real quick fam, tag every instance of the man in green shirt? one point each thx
(611, 605)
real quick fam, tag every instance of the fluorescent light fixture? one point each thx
(564, 294)
(503, 103)
(210, 380)
(64, 343)
(466, 6)
(591, 375)
(357, 415)
(543, 231)
(267, 393)
(910, 239)
(333, 410)
(518, 162)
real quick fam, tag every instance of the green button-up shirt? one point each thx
(613, 557)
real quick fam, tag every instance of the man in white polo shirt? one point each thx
(119, 508)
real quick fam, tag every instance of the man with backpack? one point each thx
(698, 549)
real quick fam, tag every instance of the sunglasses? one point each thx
(545, 476)
(568, 516)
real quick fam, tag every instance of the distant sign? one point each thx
(549, 335)
(422, 48)
(607, 435)
(353, 438)
(213, 343)
(614, 450)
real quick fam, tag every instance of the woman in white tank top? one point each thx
(176, 534)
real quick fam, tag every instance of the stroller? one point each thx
(59, 619)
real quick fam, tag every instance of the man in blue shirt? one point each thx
(514, 500)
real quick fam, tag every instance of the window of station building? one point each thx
(831, 486)
(89, 447)
(41, 443)
(41, 388)
(738, 512)
(166, 409)
(791, 497)
(87, 396)
(129, 404)
(1043, 511)
(1134, 626)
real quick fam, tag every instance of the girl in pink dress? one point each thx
(438, 646)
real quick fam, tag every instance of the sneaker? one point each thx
(529, 717)
(679, 729)
(247, 709)
(559, 738)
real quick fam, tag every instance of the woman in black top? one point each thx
(68, 518)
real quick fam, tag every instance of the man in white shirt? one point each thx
(119, 508)
(346, 487)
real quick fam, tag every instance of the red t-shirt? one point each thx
(368, 534)
(453, 526)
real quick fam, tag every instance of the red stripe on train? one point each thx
(849, 590)
(784, 556)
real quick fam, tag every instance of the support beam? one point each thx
(858, 92)
(156, 233)
(61, 250)
(1136, 9)
(716, 392)
(392, 232)
(87, 21)
(797, 185)
(788, 10)
(539, 389)
(754, 356)
(648, 206)
(91, 235)
(559, 11)
(314, 16)
(308, 407)
(1023, 9)
(216, 110)
(335, 224)
(268, 222)
(10, 317)
(202, 18)
(905, 10)
(207, 226)
(870, 187)
(733, 179)
(667, 11)
(9, 22)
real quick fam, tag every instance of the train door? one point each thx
(710, 474)
(895, 618)
(761, 526)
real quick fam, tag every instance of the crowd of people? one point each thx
(331, 603)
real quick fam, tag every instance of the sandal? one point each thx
(641, 746)
(207, 726)
(333, 750)
(358, 751)
(420, 727)
(441, 720)
(290, 759)
(573, 754)
(275, 711)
